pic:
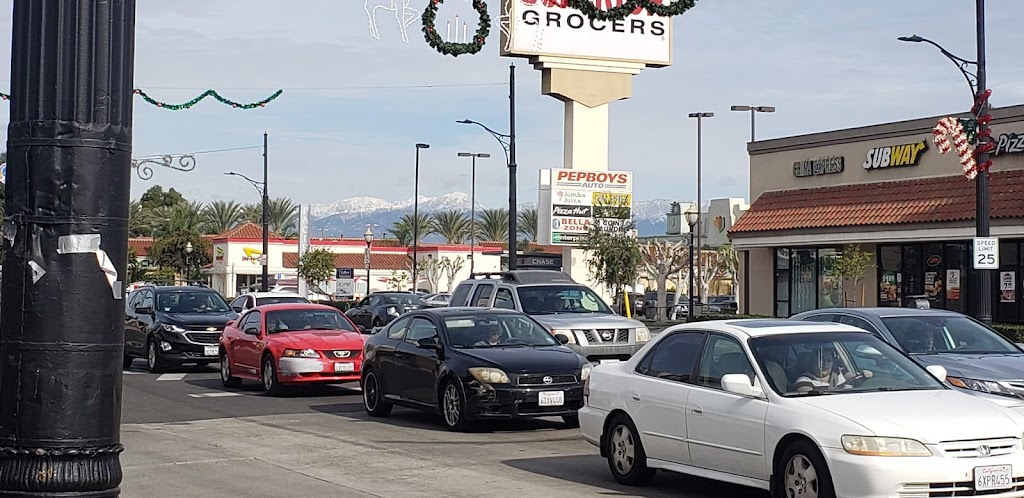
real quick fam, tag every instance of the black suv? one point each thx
(173, 325)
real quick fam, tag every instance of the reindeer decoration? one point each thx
(404, 14)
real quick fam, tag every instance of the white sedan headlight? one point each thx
(884, 446)
(985, 386)
(643, 334)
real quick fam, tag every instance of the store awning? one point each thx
(882, 206)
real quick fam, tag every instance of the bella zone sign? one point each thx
(895, 155)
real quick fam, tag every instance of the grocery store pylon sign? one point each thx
(596, 181)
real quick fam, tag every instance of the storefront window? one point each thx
(1007, 305)
(890, 265)
(934, 284)
(803, 280)
(830, 285)
(956, 256)
(782, 283)
(913, 283)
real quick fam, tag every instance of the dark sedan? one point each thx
(975, 357)
(380, 308)
(470, 364)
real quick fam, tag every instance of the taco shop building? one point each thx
(886, 190)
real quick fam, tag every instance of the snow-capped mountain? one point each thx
(349, 217)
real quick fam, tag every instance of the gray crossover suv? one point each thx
(562, 305)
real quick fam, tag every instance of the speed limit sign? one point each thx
(986, 253)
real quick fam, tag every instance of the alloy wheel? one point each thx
(225, 369)
(268, 376)
(370, 392)
(452, 408)
(623, 449)
(801, 478)
(151, 355)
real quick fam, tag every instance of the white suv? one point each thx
(254, 299)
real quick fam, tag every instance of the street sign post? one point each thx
(986, 253)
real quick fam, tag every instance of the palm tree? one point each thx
(222, 216)
(284, 216)
(137, 226)
(182, 217)
(403, 228)
(253, 213)
(493, 225)
(527, 224)
(454, 226)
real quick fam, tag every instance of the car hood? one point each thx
(927, 416)
(587, 321)
(977, 366)
(319, 339)
(199, 319)
(517, 360)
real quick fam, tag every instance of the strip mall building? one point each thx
(886, 189)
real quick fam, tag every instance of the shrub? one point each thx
(1012, 331)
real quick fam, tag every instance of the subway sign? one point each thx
(895, 155)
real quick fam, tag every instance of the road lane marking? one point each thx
(132, 372)
(214, 395)
(171, 377)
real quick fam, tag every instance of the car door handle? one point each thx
(636, 397)
(696, 410)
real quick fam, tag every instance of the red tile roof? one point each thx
(143, 246)
(924, 200)
(246, 230)
(355, 260)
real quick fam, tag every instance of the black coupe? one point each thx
(470, 364)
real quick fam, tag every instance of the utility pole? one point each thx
(265, 257)
(513, 233)
(62, 324)
(416, 220)
(700, 242)
(982, 204)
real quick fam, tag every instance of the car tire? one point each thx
(572, 421)
(268, 377)
(802, 468)
(373, 398)
(627, 460)
(154, 362)
(453, 407)
(226, 378)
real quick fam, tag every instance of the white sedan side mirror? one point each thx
(740, 384)
(938, 371)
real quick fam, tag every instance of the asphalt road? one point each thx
(187, 436)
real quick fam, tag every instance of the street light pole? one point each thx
(368, 237)
(62, 324)
(753, 110)
(513, 233)
(691, 220)
(472, 209)
(416, 220)
(700, 119)
(266, 221)
(977, 83)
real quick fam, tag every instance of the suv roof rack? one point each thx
(526, 276)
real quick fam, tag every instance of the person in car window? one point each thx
(821, 372)
(491, 334)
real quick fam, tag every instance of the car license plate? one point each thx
(344, 367)
(993, 477)
(552, 398)
(211, 350)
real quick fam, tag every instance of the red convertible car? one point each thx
(290, 344)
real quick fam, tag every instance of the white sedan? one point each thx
(803, 409)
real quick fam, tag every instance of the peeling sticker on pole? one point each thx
(37, 271)
(9, 230)
(90, 243)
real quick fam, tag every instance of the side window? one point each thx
(252, 320)
(238, 304)
(147, 299)
(398, 328)
(421, 328)
(673, 358)
(503, 299)
(374, 301)
(132, 302)
(857, 322)
(482, 296)
(824, 317)
(461, 294)
(722, 356)
(250, 302)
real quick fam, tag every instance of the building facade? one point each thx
(887, 191)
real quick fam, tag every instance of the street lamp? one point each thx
(508, 143)
(753, 110)
(692, 217)
(368, 237)
(188, 262)
(699, 116)
(472, 209)
(416, 218)
(261, 187)
(977, 83)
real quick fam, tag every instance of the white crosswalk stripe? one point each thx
(132, 372)
(171, 377)
(215, 395)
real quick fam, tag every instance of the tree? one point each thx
(851, 267)
(613, 255)
(663, 259)
(137, 223)
(283, 216)
(526, 224)
(403, 228)
(454, 226)
(730, 263)
(156, 197)
(135, 271)
(182, 217)
(429, 269)
(450, 268)
(397, 279)
(169, 251)
(221, 216)
(711, 269)
(493, 225)
(316, 267)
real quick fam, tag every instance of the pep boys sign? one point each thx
(550, 27)
(621, 181)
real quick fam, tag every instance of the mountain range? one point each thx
(349, 217)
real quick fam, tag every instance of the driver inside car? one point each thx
(491, 335)
(821, 371)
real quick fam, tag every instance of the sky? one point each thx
(354, 106)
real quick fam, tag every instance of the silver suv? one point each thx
(561, 304)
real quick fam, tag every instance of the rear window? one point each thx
(461, 295)
(281, 300)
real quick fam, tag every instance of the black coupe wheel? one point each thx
(453, 407)
(225, 373)
(626, 458)
(373, 398)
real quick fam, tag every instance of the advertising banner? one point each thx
(581, 199)
(1008, 287)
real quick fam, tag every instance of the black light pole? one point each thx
(368, 237)
(62, 326)
(691, 219)
(188, 262)
(977, 83)
(472, 209)
(508, 144)
(416, 220)
(261, 187)
(700, 119)
(753, 110)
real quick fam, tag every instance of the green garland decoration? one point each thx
(620, 12)
(450, 48)
(208, 93)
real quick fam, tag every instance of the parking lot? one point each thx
(187, 436)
